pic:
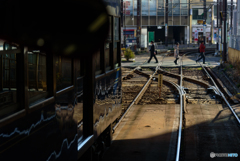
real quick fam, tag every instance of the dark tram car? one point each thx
(60, 80)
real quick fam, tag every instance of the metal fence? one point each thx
(234, 42)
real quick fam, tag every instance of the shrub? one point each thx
(128, 54)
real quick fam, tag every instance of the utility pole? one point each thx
(231, 16)
(125, 43)
(138, 23)
(122, 42)
(224, 55)
(217, 24)
(205, 23)
(220, 8)
(166, 23)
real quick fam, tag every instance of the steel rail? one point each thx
(229, 106)
(129, 107)
(181, 93)
(181, 113)
(186, 78)
(158, 66)
(132, 71)
(143, 89)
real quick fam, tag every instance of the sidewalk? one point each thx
(184, 46)
(167, 61)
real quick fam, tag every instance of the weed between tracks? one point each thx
(229, 74)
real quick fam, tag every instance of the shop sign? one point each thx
(200, 12)
(200, 21)
(198, 29)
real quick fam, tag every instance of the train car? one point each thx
(60, 80)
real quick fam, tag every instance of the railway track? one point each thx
(185, 86)
(152, 79)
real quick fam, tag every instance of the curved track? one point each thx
(141, 93)
(182, 91)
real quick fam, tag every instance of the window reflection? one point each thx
(79, 71)
(9, 72)
(107, 56)
(135, 8)
(115, 45)
(152, 7)
(8, 89)
(110, 28)
(116, 28)
(63, 72)
(97, 63)
(37, 77)
(144, 8)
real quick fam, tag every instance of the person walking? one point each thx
(152, 53)
(202, 52)
(176, 52)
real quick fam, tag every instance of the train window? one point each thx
(8, 87)
(115, 57)
(37, 77)
(78, 68)
(78, 113)
(63, 72)
(110, 29)
(107, 55)
(116, 28)
(97, 62)
(78, 107)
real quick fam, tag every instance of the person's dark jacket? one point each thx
(202, 48)
(152, 49)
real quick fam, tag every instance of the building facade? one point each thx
(185, 21)
(153, 16)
